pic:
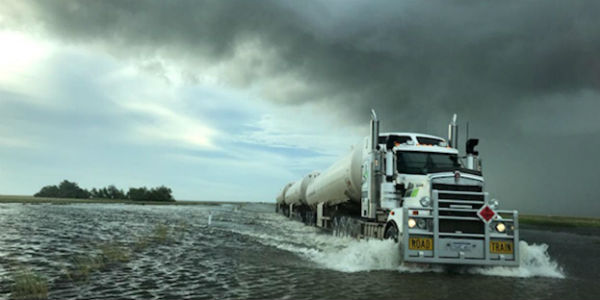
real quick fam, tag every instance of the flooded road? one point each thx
(251, 252)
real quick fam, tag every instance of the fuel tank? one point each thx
(339, 183)
(296, 194)
(281, 196)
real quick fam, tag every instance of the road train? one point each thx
(414, 188)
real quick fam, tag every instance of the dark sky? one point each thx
(525, 74)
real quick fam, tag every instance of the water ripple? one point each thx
(247, 253)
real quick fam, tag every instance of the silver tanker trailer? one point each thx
(413, 188)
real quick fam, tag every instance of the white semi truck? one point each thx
(416, 189)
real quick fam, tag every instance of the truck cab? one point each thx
(439, 211)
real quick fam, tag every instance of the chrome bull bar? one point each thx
(458, 247)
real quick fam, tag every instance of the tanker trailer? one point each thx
(280, 203)
(295, 198)
(415, 189)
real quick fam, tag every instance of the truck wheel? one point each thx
(391, 232)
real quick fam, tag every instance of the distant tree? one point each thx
(137, 193)
(161, 193)
(103, 193)
(115, 193)
(65, 189)
(48, 191)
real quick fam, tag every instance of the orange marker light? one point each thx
(415, 212)
(392, 212)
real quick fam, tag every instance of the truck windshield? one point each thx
(426, 162)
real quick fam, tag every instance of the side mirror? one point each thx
(471, 143)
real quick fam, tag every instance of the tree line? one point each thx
(68, 189)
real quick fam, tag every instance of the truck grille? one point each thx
(469, 198)
(464, 226)
(457, 187)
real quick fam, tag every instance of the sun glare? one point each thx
(18, 54)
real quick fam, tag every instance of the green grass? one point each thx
(141, 243)
(83, 266)
(110, 253)
(29, 285)
(559, 221)
(113, 253)
(161, 233)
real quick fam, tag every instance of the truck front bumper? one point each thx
(459, 252)
(429, 245)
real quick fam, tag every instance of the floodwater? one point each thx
(250, 252)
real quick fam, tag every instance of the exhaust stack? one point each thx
(453, 133)
(370, 204)
(374, 130)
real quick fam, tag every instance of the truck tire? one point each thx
(391, 232)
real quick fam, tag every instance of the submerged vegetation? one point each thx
(29, 285)
(83, 266)
(109, 254)
(68, 189)
(160, 233)
(113, 253)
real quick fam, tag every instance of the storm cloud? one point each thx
(525, 74)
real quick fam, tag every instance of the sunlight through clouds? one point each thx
(190, 134)
(166, 124)
(21, 57)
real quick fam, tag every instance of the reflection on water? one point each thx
(250, 252)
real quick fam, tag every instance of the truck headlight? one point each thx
(421, 223)
(425, 201)
(500, 227)
(411, 223)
